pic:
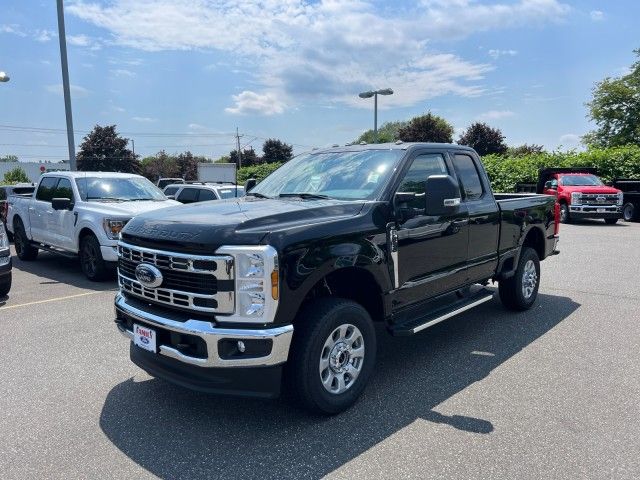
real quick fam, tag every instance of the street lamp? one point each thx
(65, 85)
(374, 94)
(4, 77)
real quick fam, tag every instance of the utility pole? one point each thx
(133, 147)
(238, 149)
(65, 86)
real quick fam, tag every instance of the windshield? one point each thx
(118, 189)
(342, 175)
(231, 192)
(580, 181)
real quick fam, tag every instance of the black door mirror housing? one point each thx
(442, 195)
(249, 184)
(61, 204)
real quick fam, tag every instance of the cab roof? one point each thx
(391, 146)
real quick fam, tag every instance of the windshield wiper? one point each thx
(143, 199)
(107, 199)
(305, 195)
(257, 195)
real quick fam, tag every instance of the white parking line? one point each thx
(54, 299)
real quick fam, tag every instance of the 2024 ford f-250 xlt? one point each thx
(226, 297)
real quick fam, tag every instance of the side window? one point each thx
(468, 174)
(46, 189)
(206, 195)
(64, 190)
(188, 195)
(421, 168)
(170, 190)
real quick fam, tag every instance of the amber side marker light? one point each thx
(274, 284)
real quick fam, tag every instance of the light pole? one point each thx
(4, 77)
(374, 94)
(65, 86)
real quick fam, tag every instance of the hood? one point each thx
(203, 227)
(128, 209)
(591, 189)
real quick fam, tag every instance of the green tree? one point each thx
(259, 171)
(249, 157)
(275, 151)
(188, 165)
(387, 132)
(16, 175)
(427, 128)
(615, 108)
(524, 149)
(160, 165)
(103, 149)
(8, 158)
(483, 139)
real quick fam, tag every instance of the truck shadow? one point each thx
(51, 269)
(175, 433)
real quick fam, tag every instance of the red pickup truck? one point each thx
(581, 194)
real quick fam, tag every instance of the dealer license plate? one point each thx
(144, 337)
(602, 210)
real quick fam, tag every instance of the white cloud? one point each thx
(196, 126)
(76, 91)
(121, 72)
(144, 119)
(43, 35)
(496, 115)
(12, 28)
(78, 40)
(596, 15)
(570, 140)
(249, 102)
(502, 53)
(323, 51)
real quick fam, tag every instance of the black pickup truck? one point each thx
(282, 286)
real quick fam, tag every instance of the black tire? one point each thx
(610, 221)
(565, 215)
(512, 293)
(5, 286)
(628, 211)
(317, 322)
(24, 249)
(93, 265)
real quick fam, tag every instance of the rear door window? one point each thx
(46, 189)
(206, 195)
(170, 190)
(188, 195)
(468, 175)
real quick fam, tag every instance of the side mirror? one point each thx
(547, 184)
(61, 204)
(249, 184)
(442, 195)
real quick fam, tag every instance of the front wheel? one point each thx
(520, 291)
(91, 261)
(5, 286)
(333, 354)
(628, 211)
(25, 251)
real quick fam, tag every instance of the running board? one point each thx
(53, 250)
(414, 326)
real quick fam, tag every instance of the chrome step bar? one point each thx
(453, 313)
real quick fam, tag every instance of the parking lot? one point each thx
(549, 393)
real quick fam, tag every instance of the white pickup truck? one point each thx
(81, 213)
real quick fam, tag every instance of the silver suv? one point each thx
(202, 192)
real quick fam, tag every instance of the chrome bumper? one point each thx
(279, 336)
(594, 208)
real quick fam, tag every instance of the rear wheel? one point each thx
(565, 216)
(93, 265)
(628, 211)
(5, 285)
(520, 291)
(610, 221)
(333, 354)
(24, 249)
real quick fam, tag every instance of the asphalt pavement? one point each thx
(550, 393)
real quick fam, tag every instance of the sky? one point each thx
(184, 74)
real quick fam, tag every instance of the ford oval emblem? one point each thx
(148, 275)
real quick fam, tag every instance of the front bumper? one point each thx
(110, 252)
(595, 211)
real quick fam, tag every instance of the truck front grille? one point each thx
(194, 282)
(599, 199)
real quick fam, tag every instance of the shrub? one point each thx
(258, 172)
(615, 162)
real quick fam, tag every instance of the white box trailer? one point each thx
(217, 172)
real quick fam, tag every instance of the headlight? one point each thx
(112, 227)
(4, 240)
(256, 283)
(576, 198)
(620, 198)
